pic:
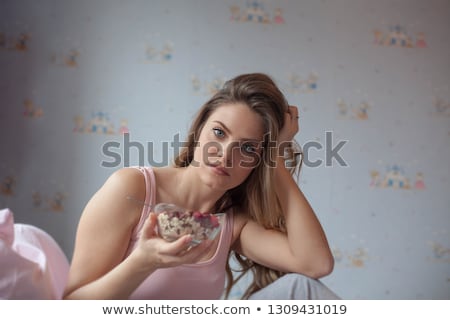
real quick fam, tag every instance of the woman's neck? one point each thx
(184, 187)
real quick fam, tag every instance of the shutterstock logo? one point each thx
(331, 152)
(119, 153)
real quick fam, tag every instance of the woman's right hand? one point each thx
(153, 252)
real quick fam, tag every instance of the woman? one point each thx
(234, 162)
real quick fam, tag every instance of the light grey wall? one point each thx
(152, 64)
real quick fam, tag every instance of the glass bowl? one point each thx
(174, 222)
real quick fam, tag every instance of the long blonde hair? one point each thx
(256, 196)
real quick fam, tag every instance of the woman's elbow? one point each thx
(325, 267)
(319, 268)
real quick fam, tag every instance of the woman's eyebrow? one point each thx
(229, 131)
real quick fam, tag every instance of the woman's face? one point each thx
(229, 146)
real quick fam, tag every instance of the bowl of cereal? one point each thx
(174, 222)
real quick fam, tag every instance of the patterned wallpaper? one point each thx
(87, 87)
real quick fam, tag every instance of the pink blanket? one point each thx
(32, 265)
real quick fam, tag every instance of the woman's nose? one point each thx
(214, 149)
(223, 151)
(229, 152)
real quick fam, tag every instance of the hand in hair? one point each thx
(290, 128)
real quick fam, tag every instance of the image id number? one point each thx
(307, 309)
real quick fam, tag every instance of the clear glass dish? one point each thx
(174, 222)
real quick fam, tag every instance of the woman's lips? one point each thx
(221, 171)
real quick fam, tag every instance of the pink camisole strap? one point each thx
(203, 280)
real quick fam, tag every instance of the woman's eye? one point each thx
(248, 148)
(218, 132)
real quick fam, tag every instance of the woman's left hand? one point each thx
(290, 127)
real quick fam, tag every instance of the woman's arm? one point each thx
(306, 238)
(304, 249)
(99, 268)
(102, 239)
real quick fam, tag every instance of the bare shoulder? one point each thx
(130, 179)
(112, 200)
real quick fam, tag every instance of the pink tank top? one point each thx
(204, 280)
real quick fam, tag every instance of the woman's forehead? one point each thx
(239, 119)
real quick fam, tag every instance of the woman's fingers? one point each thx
(180, 251)
(184, 246)
(176, 247)
(290, 127)
(293, 112)
(149, 228)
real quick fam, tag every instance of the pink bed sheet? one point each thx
(32, 264)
